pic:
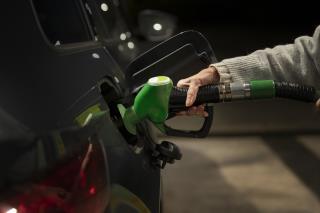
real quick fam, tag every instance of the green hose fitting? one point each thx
(152, 102)
(262, 89)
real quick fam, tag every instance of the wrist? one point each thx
(222, 71)
(215, 74)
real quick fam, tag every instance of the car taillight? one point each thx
(74, 183)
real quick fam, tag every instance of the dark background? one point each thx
(238, 27)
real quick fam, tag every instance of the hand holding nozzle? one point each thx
(210, 75)
(158, 97)
(205, 77)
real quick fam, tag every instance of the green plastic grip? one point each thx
(152, 102)
(262, 89)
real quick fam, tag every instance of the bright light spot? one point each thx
(157, 27)
(57, 43)
(160, 80)
(104, 7)
(13, 210)
(130, 45)
(95, 55)
(92, 190)
(123, 36)
(88, 118)
(116, 79)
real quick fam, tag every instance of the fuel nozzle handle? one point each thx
(158, 97)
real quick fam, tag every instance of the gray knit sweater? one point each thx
(298, 62)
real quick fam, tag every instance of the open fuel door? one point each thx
(179, 57)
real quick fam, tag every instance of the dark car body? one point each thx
(63, 148)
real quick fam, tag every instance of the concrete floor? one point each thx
(244, 174)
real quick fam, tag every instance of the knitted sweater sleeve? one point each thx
(298, 62)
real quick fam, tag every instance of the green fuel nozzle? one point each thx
(158, 96)
(152, 102)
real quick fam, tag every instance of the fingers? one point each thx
(193, 85)
(199, 111)
(204, 77)
(183, 83)
(195, 111)
(192, 91)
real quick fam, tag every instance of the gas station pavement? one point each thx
(279, 173)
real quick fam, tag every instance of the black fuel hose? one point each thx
(240, 91)
(295, 91)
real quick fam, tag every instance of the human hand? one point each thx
(206, 76)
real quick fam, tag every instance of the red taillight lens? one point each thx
(74, 183)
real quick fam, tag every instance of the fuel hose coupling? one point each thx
(266, 89)
(246, 90)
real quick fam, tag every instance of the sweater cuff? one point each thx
(244, 68)
(223, 72)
